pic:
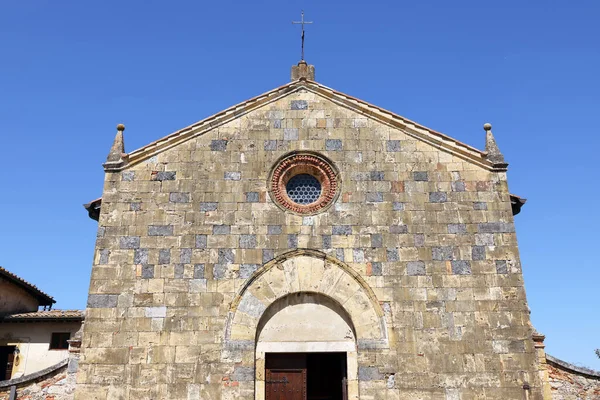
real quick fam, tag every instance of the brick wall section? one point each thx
(432, 235)
(568, 382)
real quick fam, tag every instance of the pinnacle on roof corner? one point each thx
(303, 71)
(117, 157)
(492, 151)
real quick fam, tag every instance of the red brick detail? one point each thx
(296, 164)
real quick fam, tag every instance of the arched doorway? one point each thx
(305, 285)
(306, 349)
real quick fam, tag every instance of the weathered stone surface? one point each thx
(417, 249)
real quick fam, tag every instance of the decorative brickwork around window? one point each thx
(313, 165)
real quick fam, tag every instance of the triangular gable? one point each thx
(411, 128)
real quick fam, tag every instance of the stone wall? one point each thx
(569, 382)
(426, 235)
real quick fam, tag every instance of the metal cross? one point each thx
(302, 22)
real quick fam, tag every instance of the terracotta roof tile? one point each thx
(44, 298)
(51, 315)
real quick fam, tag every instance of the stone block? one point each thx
(221, 230)
(208, 206)
(461, 267)
(185, 256)
(393, 146)
(457, 229)
(247, 241)
(140, 256)
(274, 230)
(478, 253)
(341, 230)
(218, 145)
(415, 268)
(443, 253)
(292, 241)
(246, 270)
(290, 134)
(128, 176)
(252, 197)
(420, 176)
(333, 145)
(374, 197)
(270, 145)
(201, 241)
(160, 230)
(438, 197)
(179, 197)
(129, 242)
(199, 271)
(299, 105)
(164, 256)
(102, 300)
(232, 176)
(163, 176)
(376, 240)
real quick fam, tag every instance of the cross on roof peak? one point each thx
(302, 22)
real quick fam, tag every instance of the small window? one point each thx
(59, 340)
(304, 189)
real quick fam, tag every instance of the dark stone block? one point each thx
(299, 105)
(496, 227)
(102, 300)
(444, 253)
(101, 231)
(247, 241)
(374, 197)
(461, 267)
(274, 230)
(221, 229)
(457, 229)
(398, 206)
(185, 256)
(392, 255)
(135, 206)
(252, 197)
(398, 229)
(376, 240)
(438, 197)
(501, 267)
(219, 271)
(270, 145)
(419, 240)
(160, 230)
(277, 123)
(341, 230)
(369, 374)
(208, 206)
(179, 271)
(376, 175)
(414, 268)
(147, 271)
(179, 197)
(218, 145)
(226, 256)
(458, 186)
(129, 242)
(232, 176)
(267, 255)
(164, 256)
(140, 256)
(201, 241)
(292, 241)
(243, 374)
(339, 254)
(127, 176)
(420, 176)
(393, 145)
(246, 270)
(480, 205)
(164, 176)
(104, 254)
(198, 271)
(333, 145)
(326, 241)
(376, 269)
(478, 253)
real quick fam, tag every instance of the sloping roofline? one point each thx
(43, 298)
(434, 138)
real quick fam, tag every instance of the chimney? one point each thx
(303, 71)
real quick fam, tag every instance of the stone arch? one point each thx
(307, 271)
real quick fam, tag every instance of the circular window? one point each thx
(304, 183)
(303, 189)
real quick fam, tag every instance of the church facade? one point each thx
(305, 244)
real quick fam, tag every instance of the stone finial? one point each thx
(117, 157)
(492, 151)
(303, 71)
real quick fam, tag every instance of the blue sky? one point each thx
(72, 70)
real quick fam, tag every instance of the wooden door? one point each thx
(285, 384)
